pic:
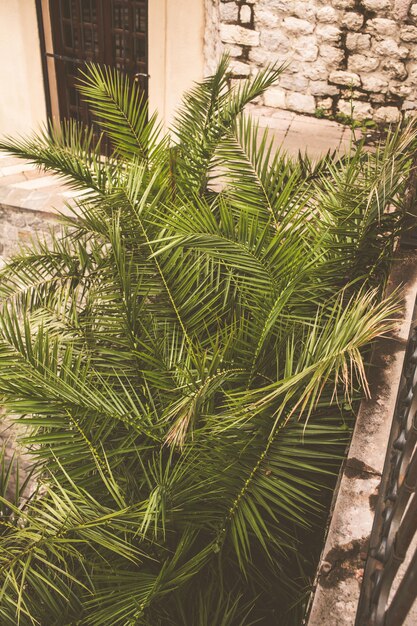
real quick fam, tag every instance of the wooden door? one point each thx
(111, 32)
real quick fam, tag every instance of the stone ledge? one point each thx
(339, 577)
(24, 186)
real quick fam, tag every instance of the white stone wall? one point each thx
(357, 57)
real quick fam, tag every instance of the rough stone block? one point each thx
(295, 82)
(376, 5)
(239, 69)
(386, 114)
(230, 33)
(229, 12)
(307, 49)
(317, 71)
(375, 82)
(259, 56)
(266, 18)
(355, 42)
(237, 83)
(301, 103)
(413, 11)
(377, 98)
(340, 77)
(409, 105)
(361, 63)
(401, 89)
(390, 48)
(408, 33)
(412, 54)
(328, 33)
(297, 26)
(245, 14)
(395, 69)
(352, 20)
(382, 26)
(327, 14)
(305, 9)
(19, 220)
(356, 108)
(349, 93)
(275, 97)
(401, 8)
(343, 4)
(322, 88)
(234, 51)
(281, 5)
(412, 74)
(331, 55)
(296, 66)
(275, 41)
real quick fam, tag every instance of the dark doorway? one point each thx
(111, 32)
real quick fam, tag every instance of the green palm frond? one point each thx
(208, 113)
(282, 486)
(70, 150)
(184, 360)
(121, 111)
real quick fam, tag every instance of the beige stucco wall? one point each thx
(22, 98)
(176, 57)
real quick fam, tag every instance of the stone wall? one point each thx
(341, 54)
(18, 226)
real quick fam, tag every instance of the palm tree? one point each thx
(183, 359)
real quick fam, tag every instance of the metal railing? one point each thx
(382, 602)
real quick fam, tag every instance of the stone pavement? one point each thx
(301, 133)
(30, 199)
(24, 187)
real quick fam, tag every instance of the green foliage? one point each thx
(182, 358)
(320, 113)
(348, 120)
